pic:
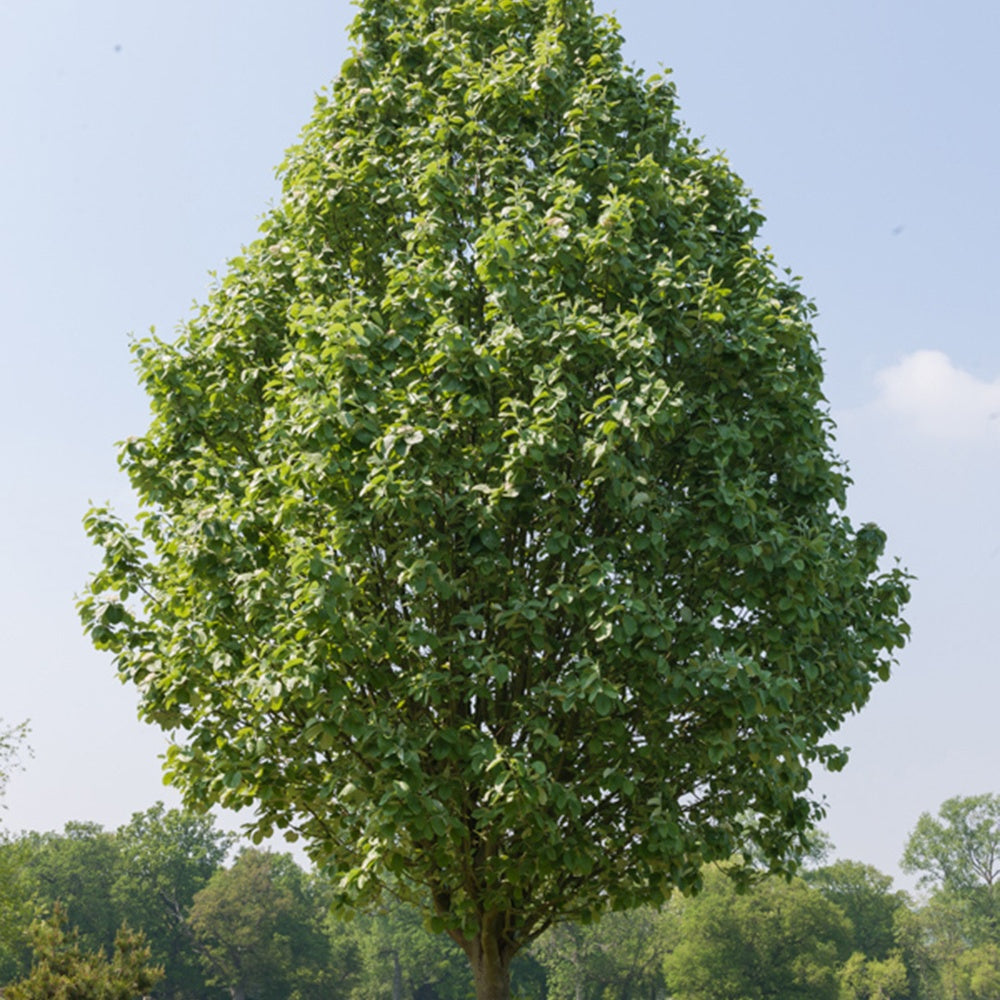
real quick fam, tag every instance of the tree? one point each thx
(619, 957)
(960, 848)
(873, 979)
(62, 970)
(865, 896)
(958, 852)
(931, 942)
(77, 869)
(17, 909)
(13, 742)
(777, 939)
(398, 960)
(15, 905)
(165, 856)
(979, 973)
(256, 934)
(491, 536)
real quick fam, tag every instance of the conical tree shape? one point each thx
(495, 541)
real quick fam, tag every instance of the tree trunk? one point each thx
(397, 977)
(492, 977)
(490, 960)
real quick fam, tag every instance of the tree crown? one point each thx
(491, 534)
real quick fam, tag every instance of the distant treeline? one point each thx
(225, 921)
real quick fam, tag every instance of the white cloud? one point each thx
(937, 399)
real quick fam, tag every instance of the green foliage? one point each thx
(63, 970)
(873, 979)
(491, 536)
(931, 941)
(865, 896)
(397, 959)
(958, 853)
(979, 973)
(17, 909)
(145, 874)
(257, 932)
(263, 929)
(960, 848)
(13, 743)
(164, 858)
(945, 948)
(777, 939)
(619, 957)
(77, 869)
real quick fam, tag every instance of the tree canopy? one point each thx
(77, 869)
(959, 848)
(491, 536)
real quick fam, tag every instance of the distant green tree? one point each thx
(776, 940)
(866, 897)
(619, 957)
(920, 944)
(257, 933)
(932, 940)
(63, 970)
(13, 745)
(164, 858)
(978, 973)
(959, 849)
(400, 960)
(958, 853)
(77, 869)
(328, 964)
(864, 978)
(492, 535)
(18, 909)
(15, 906)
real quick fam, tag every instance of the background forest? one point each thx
(226, 920)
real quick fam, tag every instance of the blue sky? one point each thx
(138, 147)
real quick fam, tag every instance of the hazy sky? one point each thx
(138, 147)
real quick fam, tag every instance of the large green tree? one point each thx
(491, 536)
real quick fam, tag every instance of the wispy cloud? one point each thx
(927, 391)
